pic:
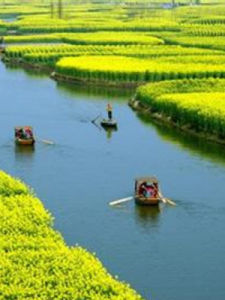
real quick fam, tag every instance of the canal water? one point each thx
(168, 254)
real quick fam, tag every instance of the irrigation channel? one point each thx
(172, 254)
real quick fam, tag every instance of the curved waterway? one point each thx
(169, 254)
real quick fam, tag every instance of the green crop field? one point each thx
(36, 263)
(174, 51)
(198, 103)
(127, 69)
(122, 42)
(99, 38)
(50, 54)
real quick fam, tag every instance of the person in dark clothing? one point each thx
(109, 110)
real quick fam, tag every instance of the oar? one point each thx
(121, 200)
(44, 141)
(93, 121)
(166, 200)
(47, 142)
(96, 124)
(162, 199)
(170, 202)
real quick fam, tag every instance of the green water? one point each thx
(167, 254)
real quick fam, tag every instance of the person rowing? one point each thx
(148, 190)
(109, 111)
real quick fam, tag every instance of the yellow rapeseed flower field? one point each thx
(198, 103)
(35, 261)
(128, 69)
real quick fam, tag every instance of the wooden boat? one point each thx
(142, 198)
(25, 142)
(24, 135)
(107, 123)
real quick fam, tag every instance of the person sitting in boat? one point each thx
(149, 190)
(146, 189)
(29, 133)
(155, 190)
(109, 110)
(20, 133)
(17, 133)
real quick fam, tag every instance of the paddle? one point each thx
(166, 200)
(170, 202)
(47, 142)
(96, 124)
(121, 200)
(44, 141)
(93, 121)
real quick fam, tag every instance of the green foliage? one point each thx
(203, 111)
(11, 187)
(112, 38)
(163, 51)
(126, 42)
(50, 54)
(93, 22)
(2, 24)
(102, 38)
(152, 90)
(36, 263)
(127, 69)
(198, 103)
(41, 38)
(205, 30)
(208, 42)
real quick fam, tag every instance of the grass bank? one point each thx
(35, 261)
(96, 38)
(120, 69)
(197, 106)
(50, 54)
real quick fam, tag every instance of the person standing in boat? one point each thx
(109, 111)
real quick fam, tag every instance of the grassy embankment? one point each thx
(35, 261)
(123, 64)
(193, 105)
(99, 38)
(50, 54)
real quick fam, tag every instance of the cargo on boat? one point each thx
(24, 135)
(147, 191)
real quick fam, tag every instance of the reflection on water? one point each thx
(109, 132)
(24, 152)
(112, 93)
(147, 216)
(33, 73)
(193, 144)
(9, 19)
(12, 67)
(24, 158)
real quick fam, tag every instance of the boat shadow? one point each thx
(147, 216)
(109, 131)
(24, 150)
